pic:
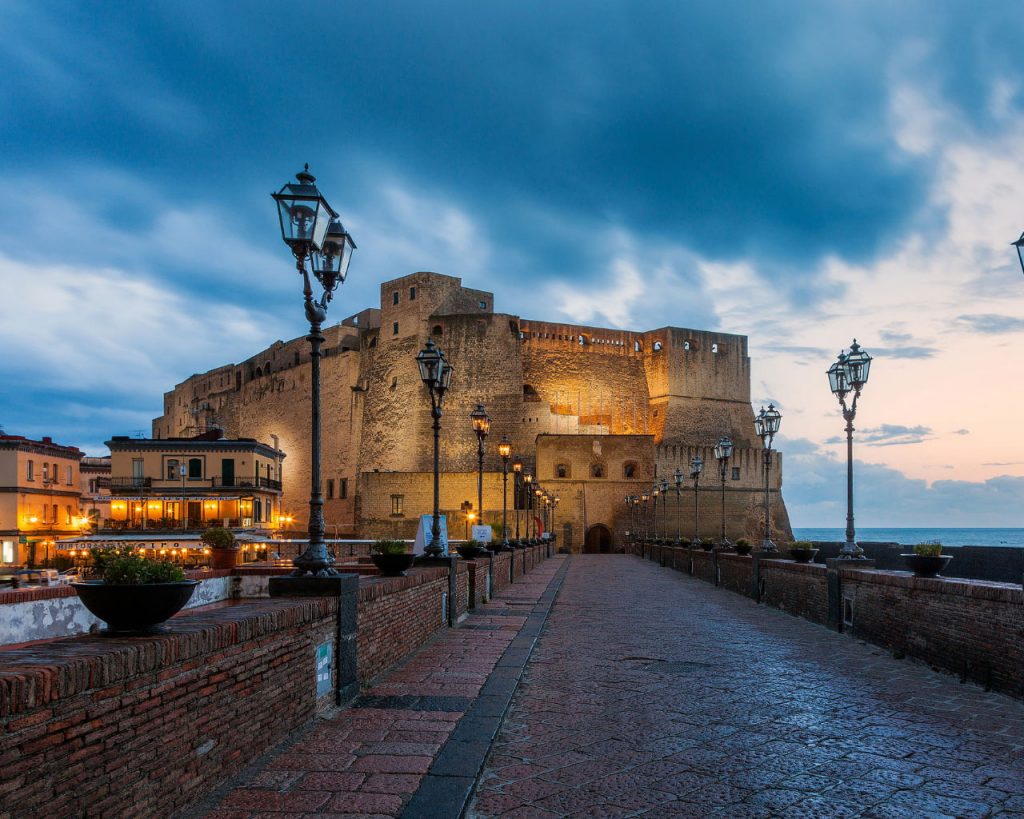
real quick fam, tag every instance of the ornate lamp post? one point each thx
(663, 487)
(655, 491)
(505, 451)
(311, 229)
(723, 452)
(678, 479)
(628, 500)
(644, 498)
(538, 493)
(481, 426)
(528, 487)
(436, 374)
(1019, 244)
(517, 473)
(849, 374)
(696, 467)
(767, 424)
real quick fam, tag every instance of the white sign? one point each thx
(482, 534)
(424, 534)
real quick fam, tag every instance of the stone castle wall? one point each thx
(684, 388)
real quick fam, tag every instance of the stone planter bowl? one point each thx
(135, 608)
(926, 565)
(803, 555)
(393, 565)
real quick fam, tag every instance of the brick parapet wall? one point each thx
(973, 628)
(798, 588)
(116, 726)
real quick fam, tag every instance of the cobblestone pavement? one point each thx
(653, 693)
(369, 759)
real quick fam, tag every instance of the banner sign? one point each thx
(323, 669)
(424, 534)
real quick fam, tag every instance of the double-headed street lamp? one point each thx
(436, 374)
(517, 473)
(849, 374)
(723, 452)
(767, 424)
(312, 230)
(644, 498)
(655, 491)
(696, 467)
(505, 451)
(663, 487)
(481, 426)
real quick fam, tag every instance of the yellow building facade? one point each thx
(192, 483)
(39, 498)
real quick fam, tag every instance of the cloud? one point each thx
(992, 323)
(904, 352)
(961, 432)
(888, 435)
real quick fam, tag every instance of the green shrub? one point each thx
(474, 544)
(684, 541)
(928, 549)
(218, 537)
(800, 544)
(127, 567)
(707, 541)
(742, 542)
(390, 547)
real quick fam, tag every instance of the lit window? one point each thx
(172, 469)
(396, 504)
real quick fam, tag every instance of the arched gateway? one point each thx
(598, 540)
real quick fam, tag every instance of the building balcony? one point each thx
(126, 486)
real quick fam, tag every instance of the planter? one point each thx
(803, 555)
(470, 552)
(707, 547)
(500, 546)
(393, 565)
(223, 558)
(137, 608)
(926, 565)
(743, 548)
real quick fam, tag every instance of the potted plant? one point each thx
(683, 543)
(471, 549)
(743, 546)
(136, 594)
(392, 557)
(707, 543)
(223, 549)
(802, 551)
(926, 560)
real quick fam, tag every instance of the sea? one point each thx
(947, 537)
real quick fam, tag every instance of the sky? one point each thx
(800, 173)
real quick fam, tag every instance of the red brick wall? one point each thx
(107, 726)
(462, 588)
(799, 588)
(970, 627)
(396, 616)
(703, 565)
(501, 569)
(735, 572)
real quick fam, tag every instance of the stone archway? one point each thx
(598, 540)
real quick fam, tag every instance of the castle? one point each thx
(596, 414)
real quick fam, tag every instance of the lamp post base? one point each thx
(768, 546)
(851, 551)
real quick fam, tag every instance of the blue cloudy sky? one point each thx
(798, 172)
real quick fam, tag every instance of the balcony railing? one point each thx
(170, 484)
(127, 484)
(268, 483)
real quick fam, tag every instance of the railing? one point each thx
(122, 484)
(268, 483)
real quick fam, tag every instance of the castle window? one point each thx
(394, 382)
(396, 505)
(259, 373)
(483, 305)
(438, 330)
(686, 345)
(628, 470)
(597, 470)
(638, 347)
(714, 348)
(296, 358)
(581, 340)
(355, 319)
(373, 341)
(343, 489)
(562, 471)
(657, 346)
(394, 329)
(412, 294)
(394, 297)
(735, 473)
(330, 488)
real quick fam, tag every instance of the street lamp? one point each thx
(677, 477)
(1019, 244)
(655, 491)
(505, 451)
(849, 373)
(527, 482)
(723, 452)
(481, 426)
(436, 374)
(311, 228)
(767, 424)
(517, 474)
(696, 467)
(644, 498)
